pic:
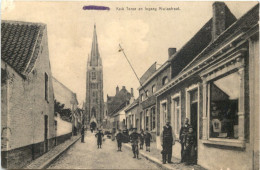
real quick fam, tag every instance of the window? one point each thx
(153, 118)
(223, 106)
(153, 89)
(146, 93)
(46, 87)
(176, 114)
(93, 75)
(142, 97)
(147, 119)
(165, 80)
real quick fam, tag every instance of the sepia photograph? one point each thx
(130, 85)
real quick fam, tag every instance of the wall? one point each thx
(26, 108)
(63, 127)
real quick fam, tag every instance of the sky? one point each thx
(144, 35)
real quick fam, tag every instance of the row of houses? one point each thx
(214, 81)
(29, 127)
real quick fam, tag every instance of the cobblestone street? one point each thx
(87, 156)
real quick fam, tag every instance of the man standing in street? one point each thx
(167, 140)
(134, 137)
(82, 134)
(99, 136)
(183, 132)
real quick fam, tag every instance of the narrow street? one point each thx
(87, 156)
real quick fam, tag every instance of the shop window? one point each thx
(224, 99)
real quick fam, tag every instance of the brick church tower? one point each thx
(94, 91)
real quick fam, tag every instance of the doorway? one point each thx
(193, 113)
(93, 125)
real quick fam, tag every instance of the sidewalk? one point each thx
(46, 159)
(155, 156)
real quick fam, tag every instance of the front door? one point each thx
(45, 133)
(194, 113)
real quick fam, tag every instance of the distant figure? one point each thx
(99, 136)
(82, 134)
(91, 129)
(147, 139)
(183, 132)
(190, 147)
(167, 140)
(141, 139)
(119, 138)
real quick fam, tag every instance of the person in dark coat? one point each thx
(82, 134)
(167, 140)
(147, 139)
(99, 136)
(119, 138)
(141, 139)
(183, 132)
(190, 147)
(134, 138)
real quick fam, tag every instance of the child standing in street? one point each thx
(119, 138)
(141, 139)
(190, 147)
(147, 139)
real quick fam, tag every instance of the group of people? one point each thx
(135, 139)
(187, 139)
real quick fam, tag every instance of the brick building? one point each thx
(115, 105)
(214, 84)
(27, 100)
(94, 106)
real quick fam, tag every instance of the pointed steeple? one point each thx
(94, 56)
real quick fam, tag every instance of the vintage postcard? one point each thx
(130, 85)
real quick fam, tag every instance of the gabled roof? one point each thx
(246, 21)
(20, 44)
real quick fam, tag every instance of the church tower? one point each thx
(94, 89)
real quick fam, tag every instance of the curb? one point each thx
(152, 159)
(56, 156)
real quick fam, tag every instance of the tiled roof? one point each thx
(20, 44)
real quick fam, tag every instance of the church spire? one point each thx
(94, 58)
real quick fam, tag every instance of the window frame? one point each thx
(164, 80)
(174, 115)
(163, 116)
(234, 63)
(46, 87)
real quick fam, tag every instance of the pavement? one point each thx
(72, 154)
(46, 159)
(88, 156)
(155, 156)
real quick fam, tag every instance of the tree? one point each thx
(65, 114)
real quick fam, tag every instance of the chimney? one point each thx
(171, 51)
(132, 92)
(222, 19)
(117, 89)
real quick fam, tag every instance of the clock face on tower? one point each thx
(94, 86)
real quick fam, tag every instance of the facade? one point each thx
(67, 97)
(94, 87)
(115, 108)
(131, 113)
(151, 81)
(27, 100)
(213, 83)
